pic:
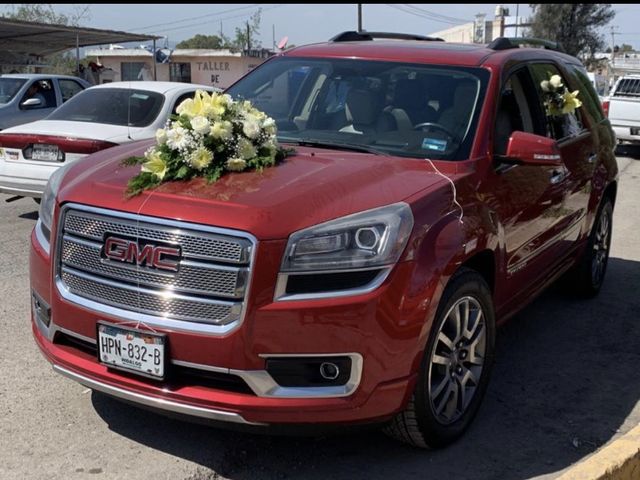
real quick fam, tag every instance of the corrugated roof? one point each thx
(39, 39)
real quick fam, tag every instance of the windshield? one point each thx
(412, 110)
(113, 106)
(9, 87)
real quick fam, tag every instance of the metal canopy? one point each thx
(39, 39)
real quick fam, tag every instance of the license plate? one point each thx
(44, 152)
(132, 350)
(635, 131)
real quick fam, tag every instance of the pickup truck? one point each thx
(624, 109)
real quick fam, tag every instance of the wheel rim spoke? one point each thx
(446, 341)
(446, 379)
(457, 360)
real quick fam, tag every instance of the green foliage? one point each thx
(240, 41)
(203, 41)
(45, 13)
(141, 182)
(59, 63)
(211, 134)
(575, 25)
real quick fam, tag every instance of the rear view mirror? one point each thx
(533, 149)
(31, 102)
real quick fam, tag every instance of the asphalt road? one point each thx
(566, 382)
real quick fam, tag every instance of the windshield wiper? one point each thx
(353, 147)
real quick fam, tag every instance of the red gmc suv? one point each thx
(434, 190)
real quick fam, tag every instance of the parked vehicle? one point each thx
(101, 117)
(623, 108)
(430, 197)
(29, 97)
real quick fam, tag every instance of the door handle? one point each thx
(557, 176)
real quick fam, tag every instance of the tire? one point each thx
(438, 414)
(587, 277)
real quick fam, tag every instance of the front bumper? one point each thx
(371, 327)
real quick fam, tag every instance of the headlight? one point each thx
(369, 239)
(48, 201)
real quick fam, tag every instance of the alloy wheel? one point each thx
(457, 360)
(601, 244)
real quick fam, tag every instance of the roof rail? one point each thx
(505, 43)
(353, 36)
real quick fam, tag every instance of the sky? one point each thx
(309, 23)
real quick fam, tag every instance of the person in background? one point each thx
(34, 92)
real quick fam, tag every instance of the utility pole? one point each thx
(273, 26)
(248, 36)
(220, 30)
(517, 19)
(359, 17)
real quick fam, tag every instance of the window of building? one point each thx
(129, 71)
(180, 72)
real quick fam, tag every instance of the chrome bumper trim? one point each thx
(160, 403)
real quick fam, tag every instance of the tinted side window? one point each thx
(42, 90)
(518, 110)
(588, 95)
(559, 125)
(114, 106)
(180, 99)
(68, 88)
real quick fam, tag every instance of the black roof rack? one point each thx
(505, 43)
(353, 36)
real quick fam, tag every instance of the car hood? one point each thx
(309, 187)
(93, 131)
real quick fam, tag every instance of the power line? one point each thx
(199, 17)
(438, 15)
(221, 19)
(420, 14)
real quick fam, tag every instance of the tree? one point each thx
(247, 36)
(203, 41)
(575, 25)
(45, 13)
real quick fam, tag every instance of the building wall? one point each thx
(216, 70)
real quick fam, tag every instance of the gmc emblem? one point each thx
(144, 255)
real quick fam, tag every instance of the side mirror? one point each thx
(31, 102)
(533, 149)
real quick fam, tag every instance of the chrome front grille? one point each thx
(197, 245)
(207, 293)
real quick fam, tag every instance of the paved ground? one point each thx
(565, 383)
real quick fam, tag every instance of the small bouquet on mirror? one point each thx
(212, 134)
(560, 104)
(558, 100)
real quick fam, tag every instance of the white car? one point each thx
(97, 118)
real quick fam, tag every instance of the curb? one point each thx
(619, 460)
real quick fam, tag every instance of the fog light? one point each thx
(41, 309)
(329, 371)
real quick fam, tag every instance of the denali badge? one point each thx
(162, 257)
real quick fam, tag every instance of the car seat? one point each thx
(456, 118)
(364, 113)
(410, 105)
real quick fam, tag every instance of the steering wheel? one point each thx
(435, 126)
